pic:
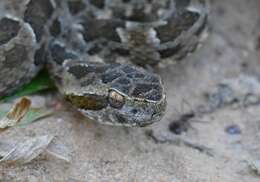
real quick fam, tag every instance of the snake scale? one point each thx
(96, 51)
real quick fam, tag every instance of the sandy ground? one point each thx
(213, 113)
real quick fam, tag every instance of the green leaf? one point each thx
(41, 82)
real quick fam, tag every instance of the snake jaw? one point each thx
(119, 109)
(140, 113)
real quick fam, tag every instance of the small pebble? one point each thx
(178, 127)
(233, 130)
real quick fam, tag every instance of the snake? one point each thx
(100, 54)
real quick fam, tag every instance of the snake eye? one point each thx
(116, 100)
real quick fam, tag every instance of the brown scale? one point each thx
(88, 101)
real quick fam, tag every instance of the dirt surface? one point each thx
(211, 131)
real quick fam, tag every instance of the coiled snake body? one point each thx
(96, 51)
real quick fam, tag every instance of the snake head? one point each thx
(115, 94)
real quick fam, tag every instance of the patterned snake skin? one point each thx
(96, 51)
